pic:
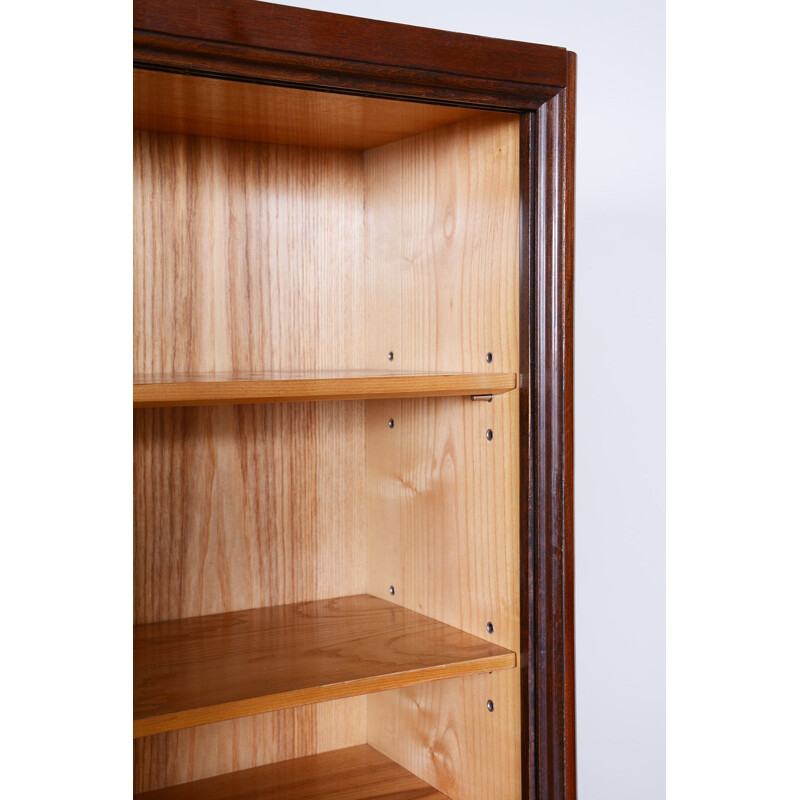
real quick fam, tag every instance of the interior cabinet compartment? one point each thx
(326, 523)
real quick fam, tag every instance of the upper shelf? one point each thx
(234, 388)
(207, 669)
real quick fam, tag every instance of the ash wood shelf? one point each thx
(355, 773)
(206, 669)
(233, 388)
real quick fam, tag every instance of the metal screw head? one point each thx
(391, 590)
(391, 355)
(391, 423)
(490, 434)
(489, 358)
(490, 706)
(489, 627)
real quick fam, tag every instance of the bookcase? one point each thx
(352, 409)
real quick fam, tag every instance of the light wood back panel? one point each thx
(203, 752)
(239, 507)
(247, 257)
(190, 104)
(442, 500)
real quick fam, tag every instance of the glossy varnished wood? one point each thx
(266, 42)
(548, 167)
(207, 669)
(357, 773)
(201, 106)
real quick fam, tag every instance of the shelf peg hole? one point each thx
(490, 706)
(489, 358)
(490, 434)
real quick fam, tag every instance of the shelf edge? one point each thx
(162, 723)
(207, 393)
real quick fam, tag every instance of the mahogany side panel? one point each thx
(546, 379)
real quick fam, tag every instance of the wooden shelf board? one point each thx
(355, 773)
(233, 388)
(223, 666)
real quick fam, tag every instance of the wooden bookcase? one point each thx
(352, 394)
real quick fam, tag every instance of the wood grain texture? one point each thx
(245, 256)
(222, 666)
(202, 106)
(239, 507)
(445, 733)
(442, 527)
(357, 773)
(547, 521)
(279, 30)
(442, 251)
(443, 499)
(238, 388)
(546, 268)
(192, 754)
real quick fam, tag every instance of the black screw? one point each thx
(391, 590)
(391, 356)
(489, 358)
(489, 627)
(490, 706)
(391, 423)
(490, 434)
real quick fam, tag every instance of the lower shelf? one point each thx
(355, 773)
(207, 669)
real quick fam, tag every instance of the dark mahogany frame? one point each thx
(266, 43)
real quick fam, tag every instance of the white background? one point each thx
(733, 414)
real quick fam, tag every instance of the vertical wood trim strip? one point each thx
(548, 513)
(568, 261)
(527, 186)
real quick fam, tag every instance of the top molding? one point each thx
(267, 42)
